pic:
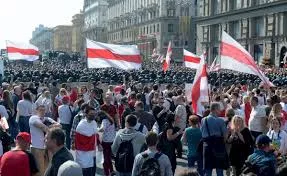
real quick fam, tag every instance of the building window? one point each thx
(170, 28)
(259, 26)
(154, 28)
(258, 53)
(171, 12)
(157, 30)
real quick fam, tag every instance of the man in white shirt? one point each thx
(39, 125)
(86, 138)
(65, 117)
(258, 120)
(180, 121)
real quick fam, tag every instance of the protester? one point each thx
(24, 112)
(127, 144)
(277, 136)
(152, 162)
(258, 120)
(76, 121)
(39, 125)
(65, 112)
(70, 168)
(241, 140)
(110, 109)
(167, 144)
(262, 161)
(192, 137)
(55, 143)
(180, 121)
(109, 132)
(19, 161)
(85, 142)
(144, 117)
(214, 133)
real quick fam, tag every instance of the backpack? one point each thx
(150, 166)
(140, 129)
(172, 105)
(124, 160)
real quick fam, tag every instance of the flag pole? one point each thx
(219, 57)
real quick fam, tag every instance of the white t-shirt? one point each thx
(25, 108)
(37, 135)
(257, 119)
(39, 101)
(65, 114)
(3, 112)
(47, 102)
(180, 112)
(279, 140)
(109, 133)
(86, 158)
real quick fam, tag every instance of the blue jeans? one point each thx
(191, 161)
(208, 172)
(24, 124)
(67, 130)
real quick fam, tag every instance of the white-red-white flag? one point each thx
(190, 60)
(167, 59)
(21, 51)
(235, 57)
(215, 66)
(103, 55)
(199, 92)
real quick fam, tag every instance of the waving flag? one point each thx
(215, 66)
(190, 60)
(21, 51)
(166, 62)
(103, 55)
(199, 92)
(235, 57)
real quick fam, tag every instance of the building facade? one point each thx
(42, 38)
(258, 25)
(95, 17)
(151, 24)
(77, 37)
(62, 38)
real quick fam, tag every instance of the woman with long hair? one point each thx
(24, 112)
(167, 140)
(109, 133)
(277, 136)
(241, 140)
(277, 111)
(8, 103)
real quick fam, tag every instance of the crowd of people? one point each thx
(51, 127)
(77, 71)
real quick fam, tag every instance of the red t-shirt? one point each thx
(110, 109)
(18, 162)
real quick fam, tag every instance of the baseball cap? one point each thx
(263, 140)
(25, 136)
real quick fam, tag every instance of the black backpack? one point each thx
(172, 106)
(150, 166)
(124, 160)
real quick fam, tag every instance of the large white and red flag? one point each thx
(166, 62)
(190, 60)
(235, 57)
(215, 66)
(103, 55)
(21, 51)
(199, 92)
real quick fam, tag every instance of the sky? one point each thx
(18, 18)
